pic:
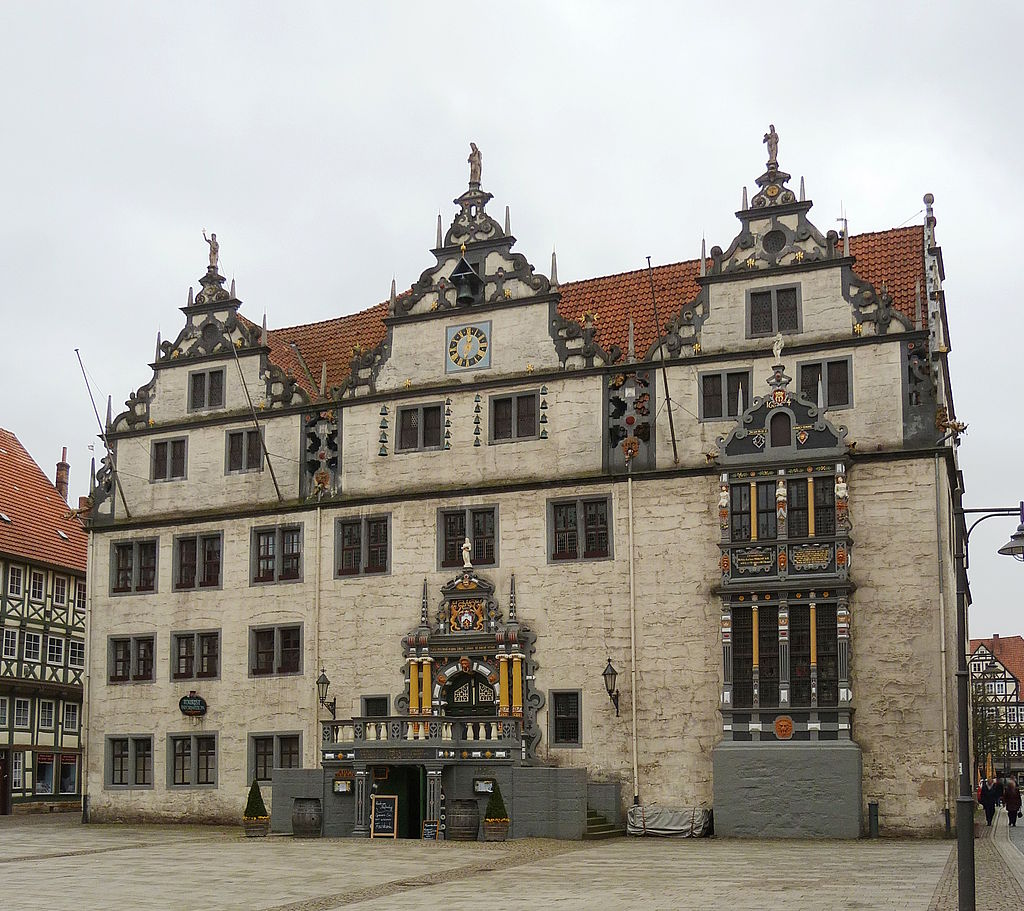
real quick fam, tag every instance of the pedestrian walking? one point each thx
(999, 788)
(987, 798)
(1011, 800)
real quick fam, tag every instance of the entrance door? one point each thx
(5, 782)
(470, 694)
(409, 784)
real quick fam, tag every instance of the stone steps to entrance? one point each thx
(599, 827)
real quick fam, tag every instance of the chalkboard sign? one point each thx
(430, 829)
(384, 816)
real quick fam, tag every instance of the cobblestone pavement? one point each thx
(57, 863)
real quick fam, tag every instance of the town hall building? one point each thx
(676, 537)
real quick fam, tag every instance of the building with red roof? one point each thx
(42, 615)
(997, 673)
(675, 536)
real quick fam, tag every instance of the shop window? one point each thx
(44, 773)
(363, 545)
(68, 781)
(168, 460)
(580, 529)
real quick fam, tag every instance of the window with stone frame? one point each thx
(420, 427)
(724, 394)
(206, 389)
(362, 545)
(277, 554)
(130, 658)
(275, 650)
(832, 376)
(375, 706)
(168, 461)
(566, 719)
(272, 751)
(197, 561)
(192, 760)
(133, 566)
(579, 529)
(482, 523)
(195, 655)
(514, 417)
(773, 310)
(244, 451)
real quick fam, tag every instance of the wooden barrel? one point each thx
(307, 817)
(463, 821)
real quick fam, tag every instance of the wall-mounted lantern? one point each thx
(323, 684)
(610, 675)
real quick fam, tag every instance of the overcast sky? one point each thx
(320, 140)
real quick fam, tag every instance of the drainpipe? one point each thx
(632, 635)
(942, 650)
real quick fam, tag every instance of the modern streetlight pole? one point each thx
(965, 799)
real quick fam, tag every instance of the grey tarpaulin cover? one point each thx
(689, 822)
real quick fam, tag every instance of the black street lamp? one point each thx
(610, 675)
(323, 684)
(965, 799)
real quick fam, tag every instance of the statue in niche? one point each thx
(467, 549)
(214, 249)
(771, 139)
(475, 164)
(777, 344)
(842, 492)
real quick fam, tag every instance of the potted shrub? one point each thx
(496, 819)
(255, 818)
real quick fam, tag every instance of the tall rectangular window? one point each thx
(768, 655)
(579, 529)
(796, 496)
(824, 506)
(134, 566)
(514, 417)
(479, 524)
(168, 460)
(60, 590)
(10, 644)
(831, 377)
(38, 586)
(277, 554)
(22, 713)
(80, 596)
(130, 658)
(565, 710)
(17, 770)
(377, 550)
(828, 655)
(55, 651)
(566, 538)
(46, 714)
(33, 646)
(263, 748)
(799, 656)
(142, 761)
(739, 512)
(206, 752)
(767, 530)
(182, 752)
(742, 657)
(245, 451)
(3, 713)
(206, 389)
(363, 545)
(350, 550)
(70, 717)
(15, 581)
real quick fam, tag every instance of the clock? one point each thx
(468, 347)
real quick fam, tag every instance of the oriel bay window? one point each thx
(812, 675)
(362, 545)
(482, 525)
(753, 509)
(277, 554)
(579, 529)
(197, 561)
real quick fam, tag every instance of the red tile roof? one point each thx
(894, 258)
(1008, 651)
(36, 511)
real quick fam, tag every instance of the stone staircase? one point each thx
(598, 826)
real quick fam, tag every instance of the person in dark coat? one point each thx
(987, 798)
(1011, 800)
(999, 788)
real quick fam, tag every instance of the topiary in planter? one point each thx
(255, 820)
(496, 806)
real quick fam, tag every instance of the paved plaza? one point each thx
(56, 863)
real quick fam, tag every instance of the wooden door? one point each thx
(5, 782)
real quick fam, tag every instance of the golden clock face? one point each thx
(468, 346)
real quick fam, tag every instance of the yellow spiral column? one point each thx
(517, 686)
(414, 687)
(503, 685)
(426, 707)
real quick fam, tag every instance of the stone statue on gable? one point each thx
(214, 249)
(475, 165)
(771, 139)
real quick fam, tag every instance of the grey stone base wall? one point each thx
(787, 790)
(292, 783)
(606, 798)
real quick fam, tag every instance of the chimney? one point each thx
(84, 507)
(62, 474)
(995, 638)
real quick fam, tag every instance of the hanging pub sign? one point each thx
(193, 705)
